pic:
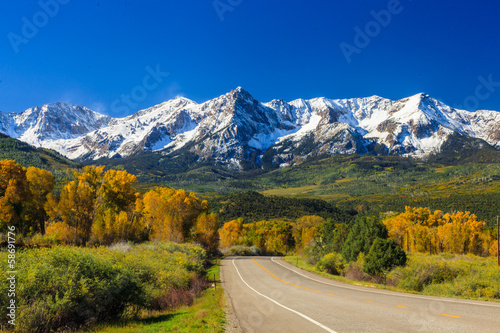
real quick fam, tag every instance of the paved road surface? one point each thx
(269, 295)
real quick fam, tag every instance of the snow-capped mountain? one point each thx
(236, 128)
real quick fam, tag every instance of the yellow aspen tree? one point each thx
(171, 214)
(231, 232)
(14, 197)
(41, 183)
(76, 208)
(117, 190)
(207, 226)
(304, 230)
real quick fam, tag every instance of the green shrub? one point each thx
(417, 277)
(45, 239)
(242, 250)
(354, 270)
(384, 255)
(459, 276)
(331, 263)
(68, 288)
(314, 252)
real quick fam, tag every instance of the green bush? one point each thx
(331, 263)
(384, 255)
(354, 269)
(67, 288)
(419, 275)
(242, 250)
(314, 252)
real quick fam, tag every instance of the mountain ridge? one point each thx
(235, 129)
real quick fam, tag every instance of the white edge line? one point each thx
(394, 293)
(284, 307)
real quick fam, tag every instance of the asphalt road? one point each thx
(269, 295)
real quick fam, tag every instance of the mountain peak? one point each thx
(184, 100)
(241, 93)
(235, 126)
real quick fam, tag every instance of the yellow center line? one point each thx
(281, 280)
(318, 291)
(448, 315)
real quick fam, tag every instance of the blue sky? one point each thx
(117, 57)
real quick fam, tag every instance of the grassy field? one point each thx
(445, 275)
(205, 315)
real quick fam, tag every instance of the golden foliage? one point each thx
(117, 190)
(41, 183)
(15, 197)
(420, 230)
(101, 207)
(231, 232)
(171, 214)
(62, 231)
(207, 226)
(493, 249)
(112, 227)
(304, 230)
(75, 208)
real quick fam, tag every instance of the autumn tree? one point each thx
(114, 226)
(15, 195)
(278, 235)
(231, 232)
(117, 190)
(98, 206)
(461, 233)
(75, 208)
(305, 229)
(207, 226)
(41, 183)
(171, 214)
(415, 229)
(420, 230)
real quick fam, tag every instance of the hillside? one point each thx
(253, 207)
(28, 155)
(363, 183)
(372, 185)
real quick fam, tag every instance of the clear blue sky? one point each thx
(90, 53)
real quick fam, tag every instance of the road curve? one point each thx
(267, 294)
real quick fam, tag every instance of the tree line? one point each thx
(100, 207)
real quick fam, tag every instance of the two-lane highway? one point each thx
(269, 295)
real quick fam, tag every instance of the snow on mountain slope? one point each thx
(235, 127)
